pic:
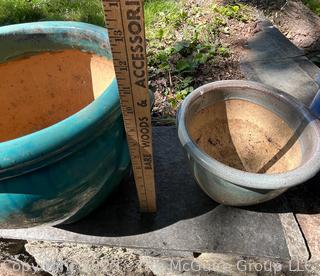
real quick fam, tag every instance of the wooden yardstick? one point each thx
(125, 24)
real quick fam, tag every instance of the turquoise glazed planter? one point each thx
(59, 174)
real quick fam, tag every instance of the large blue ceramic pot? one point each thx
(62, 172)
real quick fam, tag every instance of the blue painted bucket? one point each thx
(61, 173)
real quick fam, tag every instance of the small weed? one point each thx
(184, 38)
(235, 11)
(155, 8)
(313, 5)
(20, 11)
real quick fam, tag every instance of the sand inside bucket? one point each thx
(41, 90)
(246, 136)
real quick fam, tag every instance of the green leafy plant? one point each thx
(313, 5)
(20, 11)
(235, 11)
(182, 39)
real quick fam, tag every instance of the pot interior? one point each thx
(246, 136)
(37, 91)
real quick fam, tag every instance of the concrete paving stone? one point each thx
(273, 60)
(297, 246)
(80, 259)
(270, 58)
(268, 43)
(285, 75)
(310, 226)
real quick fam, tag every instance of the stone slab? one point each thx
(273, 60)
(270, 58)
(286, 75)
(187, 220)
(310, 225)
(268, 43)
(307, 213)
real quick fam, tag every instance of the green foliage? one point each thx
(235, 11)
(182, 39)
(184, 88)
(19, 11)
(313, 5)
(152, 8)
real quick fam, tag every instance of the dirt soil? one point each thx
(245, 136)
(41, 90)
(299, 24)
(294, 19)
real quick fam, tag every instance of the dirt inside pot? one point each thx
(246, 136)
(41, 90)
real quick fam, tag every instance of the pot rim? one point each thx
(247, 179)
(50, 144)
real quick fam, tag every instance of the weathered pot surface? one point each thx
(63, 171)
(246, 142)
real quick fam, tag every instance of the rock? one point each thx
(11, 247)
(9, 268)
(79, 259)
(14, 260)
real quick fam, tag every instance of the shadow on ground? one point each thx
(180, 198)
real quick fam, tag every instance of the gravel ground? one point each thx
(15, 260)
(78, 259)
